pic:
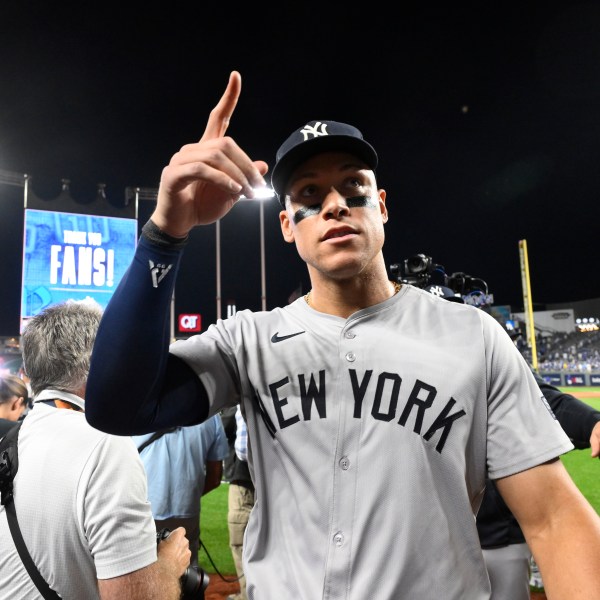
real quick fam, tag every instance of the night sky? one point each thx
(486, 122)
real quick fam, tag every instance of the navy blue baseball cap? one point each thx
(313, 138)
(444, 292)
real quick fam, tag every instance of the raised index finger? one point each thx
(218, 120)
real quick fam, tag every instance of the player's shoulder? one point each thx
(259, 318)
(448, 309)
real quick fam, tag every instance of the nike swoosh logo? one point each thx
(277, 338)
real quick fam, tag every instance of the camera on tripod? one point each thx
(193, 583)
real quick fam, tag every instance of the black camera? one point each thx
(420, 270)
(193, 583)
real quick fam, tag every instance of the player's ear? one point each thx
(286, 227)
(382, 205)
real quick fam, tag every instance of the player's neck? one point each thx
(344, 298)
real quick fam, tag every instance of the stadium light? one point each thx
(262, 195)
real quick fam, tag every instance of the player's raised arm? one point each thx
(203, 180)
(135, 385)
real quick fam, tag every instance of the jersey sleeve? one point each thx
(115, 512)
(523, 431)
(577, 418)
(135, 385)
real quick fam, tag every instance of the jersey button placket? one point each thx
(341, 559)
(350, 335)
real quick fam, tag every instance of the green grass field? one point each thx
(584, 470)
(215, 536)
(214, 533)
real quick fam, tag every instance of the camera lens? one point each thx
(193, 582)
(419, 263)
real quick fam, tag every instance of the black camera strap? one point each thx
(9, 464)
(155, 436)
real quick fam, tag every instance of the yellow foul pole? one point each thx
(527, 303)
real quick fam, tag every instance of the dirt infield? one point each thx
(584, 394)
(219, 590)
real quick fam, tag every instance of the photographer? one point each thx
(80, 495)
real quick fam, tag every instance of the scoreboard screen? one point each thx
(73, 256)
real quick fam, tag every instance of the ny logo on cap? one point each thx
(314, 130)
(436, 290)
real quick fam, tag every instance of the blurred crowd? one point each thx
(574, 351)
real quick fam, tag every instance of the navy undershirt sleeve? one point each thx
(135, 386)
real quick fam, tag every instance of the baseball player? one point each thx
(374, 410)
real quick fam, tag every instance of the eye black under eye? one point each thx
(306, 211)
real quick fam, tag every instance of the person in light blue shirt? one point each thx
(182, 465)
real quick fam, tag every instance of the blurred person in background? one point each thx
(21, 373)
(14, 399)
(229, 424)
(240, 501)
(80, 494)
(183, 464)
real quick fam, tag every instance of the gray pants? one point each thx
(508, 569)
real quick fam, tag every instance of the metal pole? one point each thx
(263, 275)
(527, 301)
(173, 316)
(218, 237)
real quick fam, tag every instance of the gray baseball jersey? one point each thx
(369, 440)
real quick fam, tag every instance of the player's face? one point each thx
(335, 214)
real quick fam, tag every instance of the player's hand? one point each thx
(203, 180)
(595, 440)
(176, 550)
